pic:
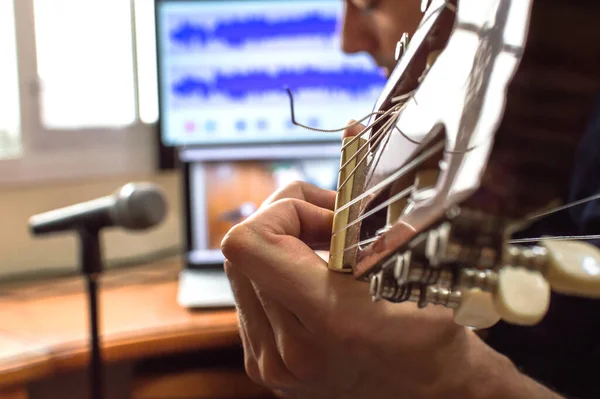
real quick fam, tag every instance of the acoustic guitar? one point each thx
(473, 138)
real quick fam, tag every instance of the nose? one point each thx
(355, 34)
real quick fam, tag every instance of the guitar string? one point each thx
(566, 206)
(515, 241)
(555, 238)
(381, 115)
(379, 135)
(396, 175)
(358, 244)
(379, 207)
(296, 123)
(359, 135)
(451, 152)
(401, 102)
(555, 210)
(588, 237)
(380, 138)
(397, 108)
(374, 137)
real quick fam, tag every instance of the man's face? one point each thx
(375, 26)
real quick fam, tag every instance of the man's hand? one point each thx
(312, 333)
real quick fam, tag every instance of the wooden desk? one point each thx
(44, 330)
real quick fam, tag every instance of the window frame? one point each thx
(76, 154)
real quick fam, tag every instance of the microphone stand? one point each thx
(133, 207)
(91, 266)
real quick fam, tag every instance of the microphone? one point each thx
(135, 206)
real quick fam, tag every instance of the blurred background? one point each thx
(188, 95)
(95, 94)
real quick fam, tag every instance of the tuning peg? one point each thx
(375, 286)
(573, 267)
(521, 296)
(476, 309)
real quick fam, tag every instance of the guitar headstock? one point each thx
(468, 126)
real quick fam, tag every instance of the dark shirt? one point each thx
(563, 351)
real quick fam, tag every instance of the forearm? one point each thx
(498, 378)
(511, 383)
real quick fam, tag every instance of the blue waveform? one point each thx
(239, 32)
(239, 86)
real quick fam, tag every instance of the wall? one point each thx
(22, 253)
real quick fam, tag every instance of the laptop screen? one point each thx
(221, 192)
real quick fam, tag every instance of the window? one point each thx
(85, 97)
(146, 60)
(85, 63)
(9, 87)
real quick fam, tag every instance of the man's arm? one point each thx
(314, 334)
(499, 378)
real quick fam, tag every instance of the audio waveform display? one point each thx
(240, 32)
(225, 64)
(240, 86)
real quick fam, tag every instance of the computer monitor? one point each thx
(223, 67)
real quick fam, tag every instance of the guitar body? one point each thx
(500, 95)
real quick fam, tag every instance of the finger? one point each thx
(352, 131)
(250, 363)
(306, 192)
(265, 364)
(268, 247)
(293, 340)
(279, 317)
(252, 320)
(293, 217)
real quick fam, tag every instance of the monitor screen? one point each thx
(224, 67)
(220, 194)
